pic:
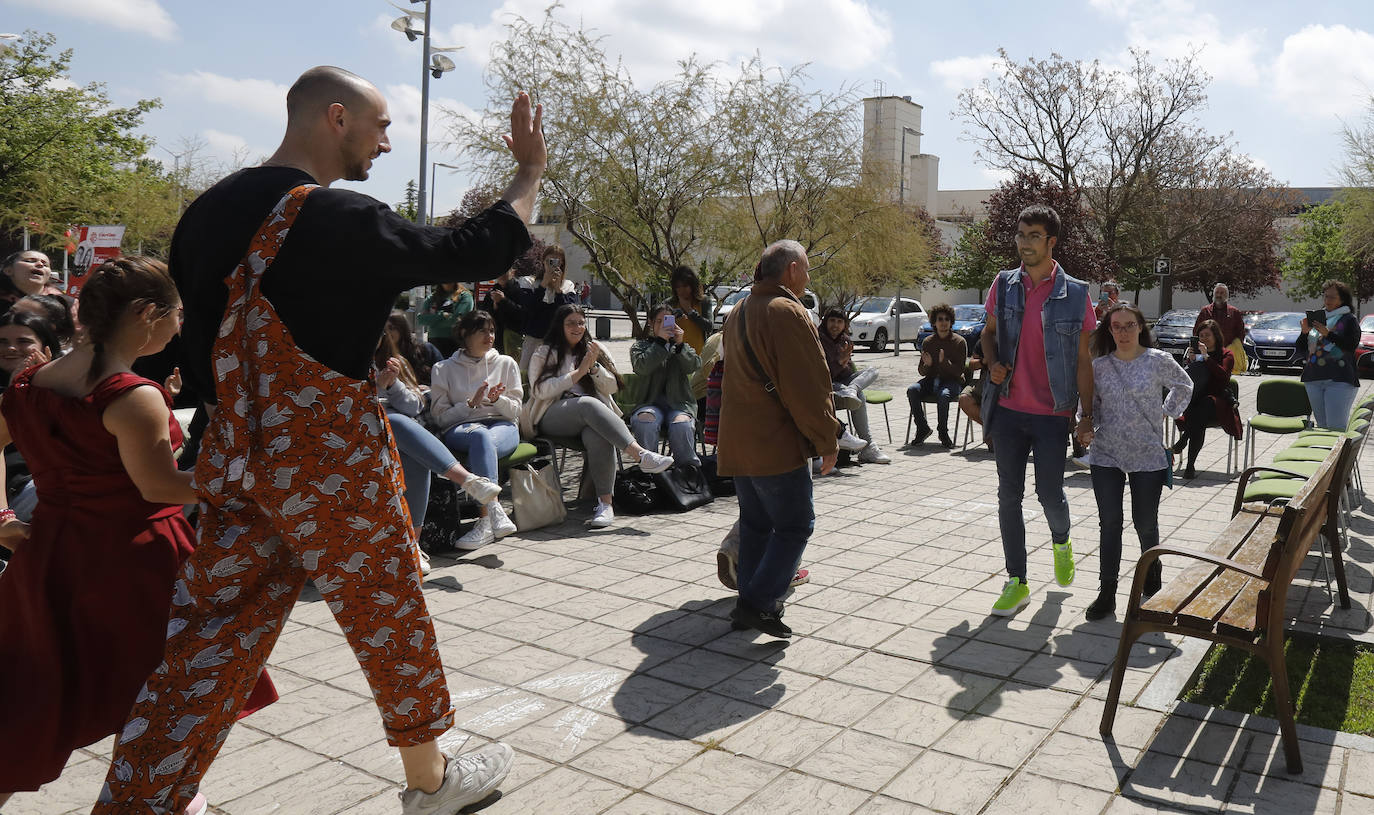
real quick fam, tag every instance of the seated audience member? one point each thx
(571, 382)
(1210, 365)
(57, 310)
(848, 382)
(666, 363)
(420, 355)
(441, 311)
(691, 307)
(502, 302)
(476, 397)
(26, 340)
(24, 273)
(551, 290)
(971, 397)
(421, 452)
(942, 374)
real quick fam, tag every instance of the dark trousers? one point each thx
(1109, 485)
(1015, 435)
(1201, 413)
(776, 518)
(944, 391)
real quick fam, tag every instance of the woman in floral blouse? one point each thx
(1128, 425)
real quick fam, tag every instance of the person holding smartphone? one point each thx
(666, 362)
(537, 305)
(1109, 296)
(1328, 340)
(1210, 365)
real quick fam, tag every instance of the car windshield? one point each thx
(1367, 324)
(735, 297)
(1178, 318)
(1282, 321)
(969, 314)
(875, 305)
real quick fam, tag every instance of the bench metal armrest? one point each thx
(1245, 479)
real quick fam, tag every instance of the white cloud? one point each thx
(222, 143)
(260, 96)
(965, 72)
(1326, 70)
(1170, 29)
(652, 37)
(145, 16)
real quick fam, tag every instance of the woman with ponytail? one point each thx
(84, 602)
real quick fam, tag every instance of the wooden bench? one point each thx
(1236, 591)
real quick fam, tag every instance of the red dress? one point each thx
(84, 601)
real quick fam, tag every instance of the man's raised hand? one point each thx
(526, 137)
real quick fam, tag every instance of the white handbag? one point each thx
(537, 496)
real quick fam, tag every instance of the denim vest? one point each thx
(1062, 322)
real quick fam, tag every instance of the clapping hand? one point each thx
(925, 358)
(495, 392)
(386, 377)
(478, 396)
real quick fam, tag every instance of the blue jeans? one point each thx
(1108, 485)
(1015, 435)
(482, 443)
(776, 518)
(1331, 402)
(944, 391)
(682, 435)
(421, 454)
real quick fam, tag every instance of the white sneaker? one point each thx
(603, 516)
(468, 778)
(873, 454)
(1082, 461)
(651, 462)
(482, 490)
(425, 568)
(851, 442)
(480, 535)
(501, 524)
(847, 392)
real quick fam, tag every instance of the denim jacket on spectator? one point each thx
(1062, 319)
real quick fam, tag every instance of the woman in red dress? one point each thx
(84, 602)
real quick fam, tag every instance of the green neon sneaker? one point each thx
(1014, 595)
(1063, 563)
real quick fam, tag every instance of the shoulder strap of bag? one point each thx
(749, 351)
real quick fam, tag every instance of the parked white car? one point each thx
(875, 324)
(808, 299)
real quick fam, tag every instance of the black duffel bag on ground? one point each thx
(636, 492)
(682, 487)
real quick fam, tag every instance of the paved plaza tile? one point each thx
(607, 661)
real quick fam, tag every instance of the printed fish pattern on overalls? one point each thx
(300, 479)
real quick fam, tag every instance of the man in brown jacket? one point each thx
(776, 414)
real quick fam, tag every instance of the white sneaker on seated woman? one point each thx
(572, 379)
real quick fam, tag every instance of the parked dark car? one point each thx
(1272, 342)
(1364, 354)
(1174, 330)
(969, 322)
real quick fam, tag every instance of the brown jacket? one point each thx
(956, 353)
(770, 433)
(1232, 322)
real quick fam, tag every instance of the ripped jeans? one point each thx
(647, 421)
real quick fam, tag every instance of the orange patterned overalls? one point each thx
(300, 479)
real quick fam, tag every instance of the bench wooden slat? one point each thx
(1177, 593)
(1242, 619)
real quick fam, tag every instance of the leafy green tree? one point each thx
(1320, 250)
(972, 264)
(62, 147)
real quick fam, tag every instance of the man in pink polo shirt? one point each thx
(1036, 348)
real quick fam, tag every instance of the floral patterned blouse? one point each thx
(1129, 408)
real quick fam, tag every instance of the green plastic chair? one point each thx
(1281, 408)
(875, 397)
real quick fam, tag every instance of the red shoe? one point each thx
(803, 576)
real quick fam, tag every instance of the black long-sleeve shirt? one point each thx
(336, 276)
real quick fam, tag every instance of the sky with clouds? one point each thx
(1285, 75)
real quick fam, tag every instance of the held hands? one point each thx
(387, 376)
(1085, 432)
(999, 372)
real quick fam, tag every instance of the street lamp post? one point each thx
(432, 169)
(431, 63)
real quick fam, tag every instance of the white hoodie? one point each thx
(453, 381)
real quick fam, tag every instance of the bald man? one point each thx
(286, 285)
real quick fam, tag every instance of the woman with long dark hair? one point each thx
(1124, 442)
(26, 340)
(551, 291)
(572, 379)
(24, 273)
(84, 603)
(665, 362)
(420, 355)
(1209, 366)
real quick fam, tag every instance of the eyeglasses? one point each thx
(1033, 237)
(1131, 326)
(575, 324)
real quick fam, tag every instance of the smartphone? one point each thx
(1102, 298)
(669, 322)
